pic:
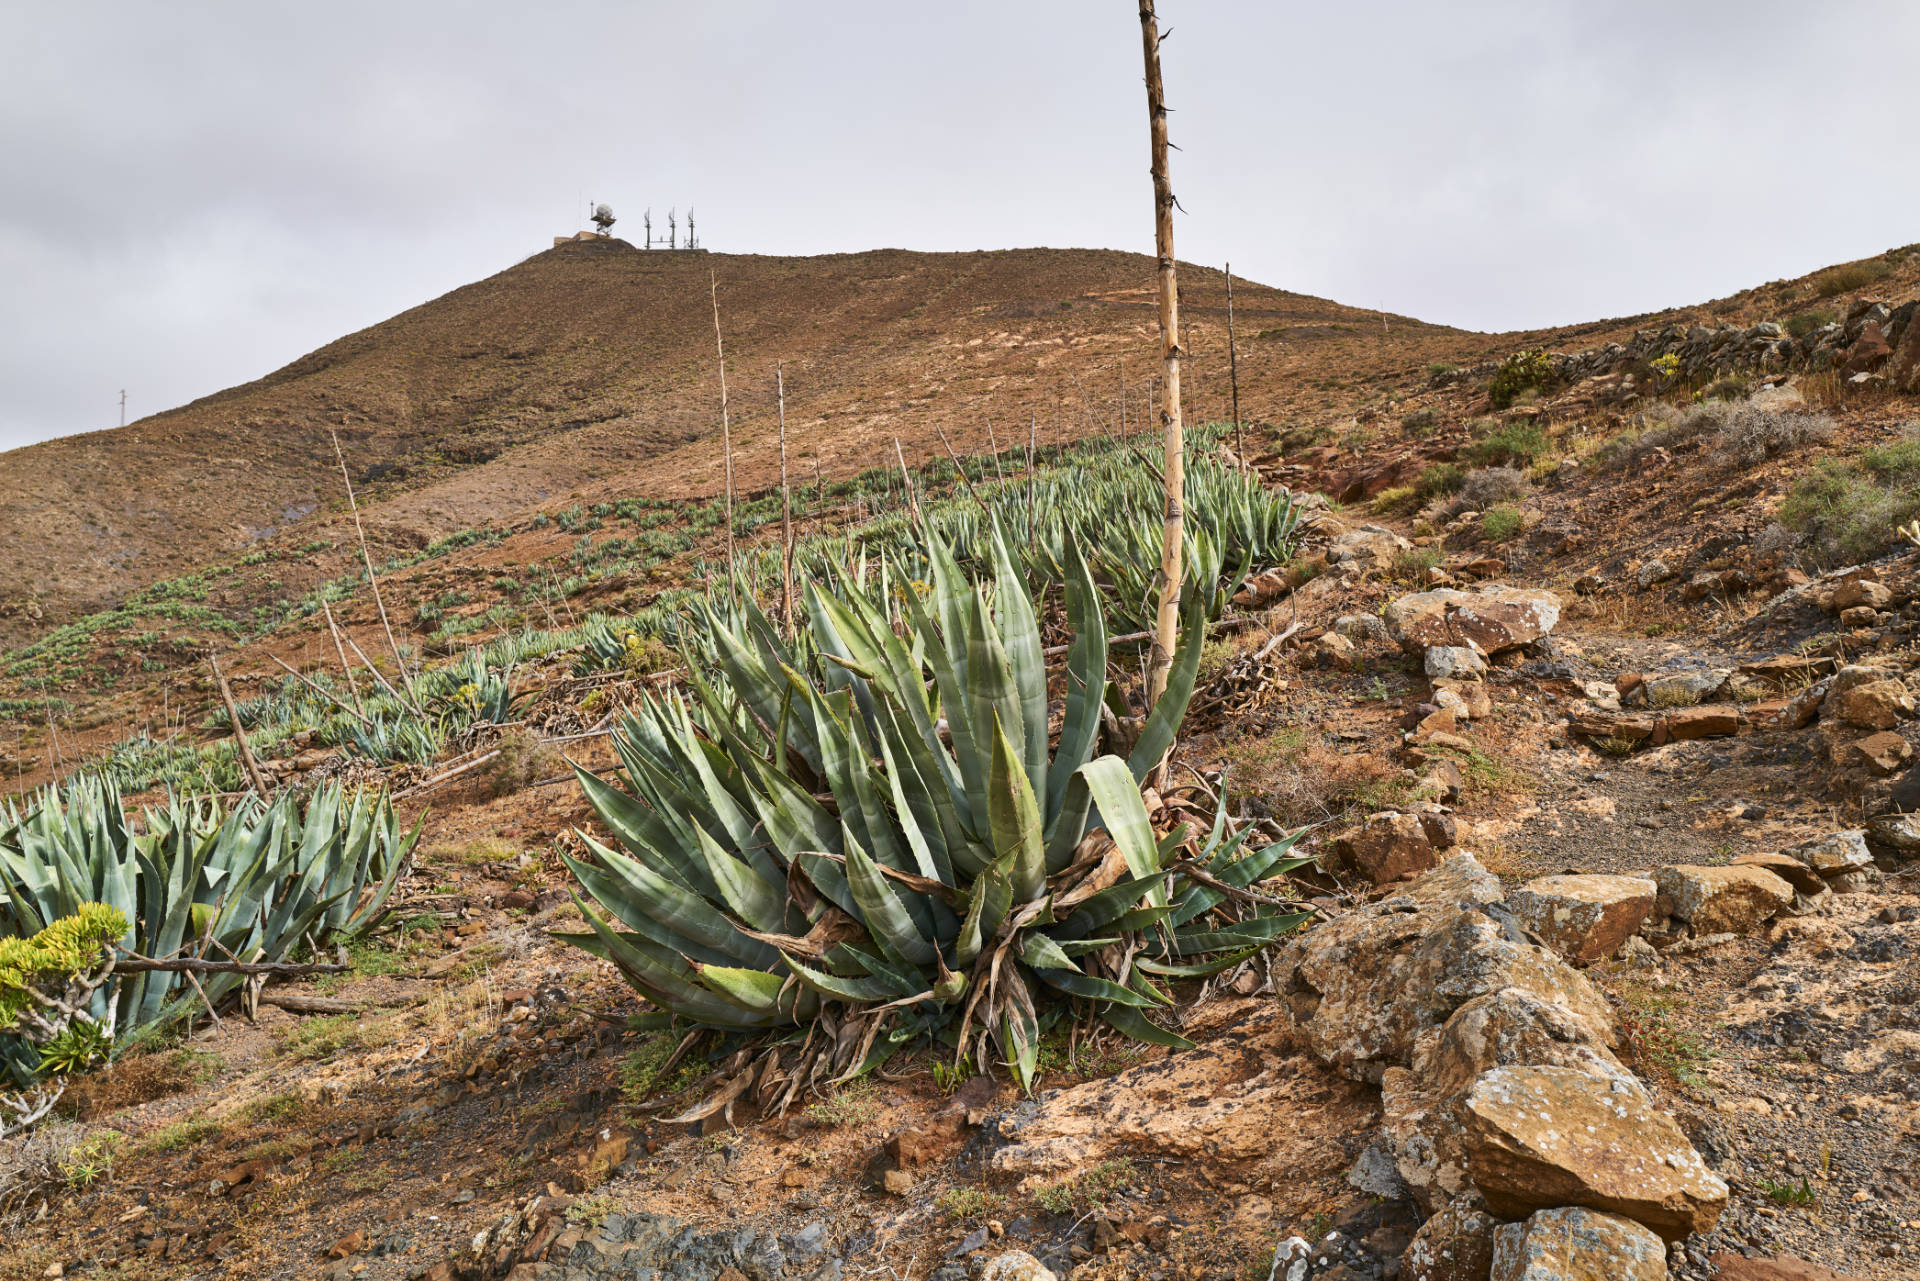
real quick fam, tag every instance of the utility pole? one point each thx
(646, 220)
(123, 406)
(1166, 631)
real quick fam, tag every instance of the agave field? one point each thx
(911, 814)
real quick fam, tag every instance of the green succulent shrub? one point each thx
(1522, 372)
(873, 839)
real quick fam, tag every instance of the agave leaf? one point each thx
(839, 988)
(1116, 791)
(1019, 1027)
(1259, 929)
(1019, 635)
(755, 991)
(882, 911)
(1015, 820)
(1086, 682)
(1131, 1021)
(1201, 969)
(987, 907)
(1077, 983)
(1156, 736)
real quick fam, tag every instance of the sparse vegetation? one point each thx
(855, 1104)
(1087, 1190)
(1807, 321)
(1852, 510)
(1848, 277)
(968, 1201)
(1508, 445)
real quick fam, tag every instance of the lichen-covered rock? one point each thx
(1490, 620)
(1723, 900)
(1897, 835)
(1455, 662)
(1454, 1244)
(1017, 1265)
(1684, 689)
(1541, 1137)
(1584, 918)
(1572, 1243)
(1832, 855)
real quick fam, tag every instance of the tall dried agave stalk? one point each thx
(1166, 634)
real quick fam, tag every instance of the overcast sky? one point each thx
(193, 194)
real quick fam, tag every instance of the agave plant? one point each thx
(888, 842)
(247, 884)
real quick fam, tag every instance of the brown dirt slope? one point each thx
(596, 359)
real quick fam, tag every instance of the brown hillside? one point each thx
(596, 359)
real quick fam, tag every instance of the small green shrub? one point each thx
(1439, 479)
(1508, 445)
(967, 1202)
(1521, 373)
(1848, 277)
(1086, 1190)
(853, 1104)
(1441, 368)
(1501, 523)
(1807, 321)
(1415, 562)
(1398, 498)
(1779, 1193)
(1421, 422)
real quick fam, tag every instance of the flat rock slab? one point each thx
(1573, 1243)
(1542, 1137)
(1737, 1267)
(1489, 620)
(1723, 900)
(1584, 918)
(1787, 868)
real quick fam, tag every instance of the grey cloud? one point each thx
(193, 194)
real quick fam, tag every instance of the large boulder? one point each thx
(1364, 986)
(1492, 619)
(1572, 1243)
(1421, 1113)
(1879, 704)
(1541, 1137)
(1723, 900)
(1584, 918)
